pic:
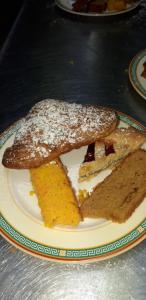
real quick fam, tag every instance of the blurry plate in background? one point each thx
(137, 73)
(66, 5)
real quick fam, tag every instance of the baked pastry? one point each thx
(54, 127)
(110, 150)
(120, 193)
(56, 198)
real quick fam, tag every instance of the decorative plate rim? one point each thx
(135, 237)
(100, 252)
(108, 14)
(133, 73)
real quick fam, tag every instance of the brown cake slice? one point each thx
(52, 128)
(120, 193)
(110, 150)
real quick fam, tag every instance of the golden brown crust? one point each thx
(120, 193)
(55, 127)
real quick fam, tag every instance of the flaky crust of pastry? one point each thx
(123, 141)
(52, 128)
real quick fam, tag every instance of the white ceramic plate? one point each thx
(135, 71)
(94, 239)
(66, 5)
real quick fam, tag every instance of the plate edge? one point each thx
(138, 87)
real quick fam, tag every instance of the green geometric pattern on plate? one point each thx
(7, 134)
(133, 235)
(22, 240)
(128, 121)
(66, 253)
(55, 252)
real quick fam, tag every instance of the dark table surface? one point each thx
(8, 13)
(50, 54)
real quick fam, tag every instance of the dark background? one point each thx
(46, 53)
(8, 13)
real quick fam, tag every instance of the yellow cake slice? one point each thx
(56, 198)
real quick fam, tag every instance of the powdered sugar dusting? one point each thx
(51, 123)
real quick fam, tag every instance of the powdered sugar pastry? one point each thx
(53, 127)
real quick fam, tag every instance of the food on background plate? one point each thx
(120, 193)
(89, 6)
(55, 195)
(116, 5)
(107, 152)
(101, 6)
(52, 128)
(143, 74)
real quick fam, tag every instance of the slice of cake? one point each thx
(107, 152)
(56, 198)
(120, 193)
